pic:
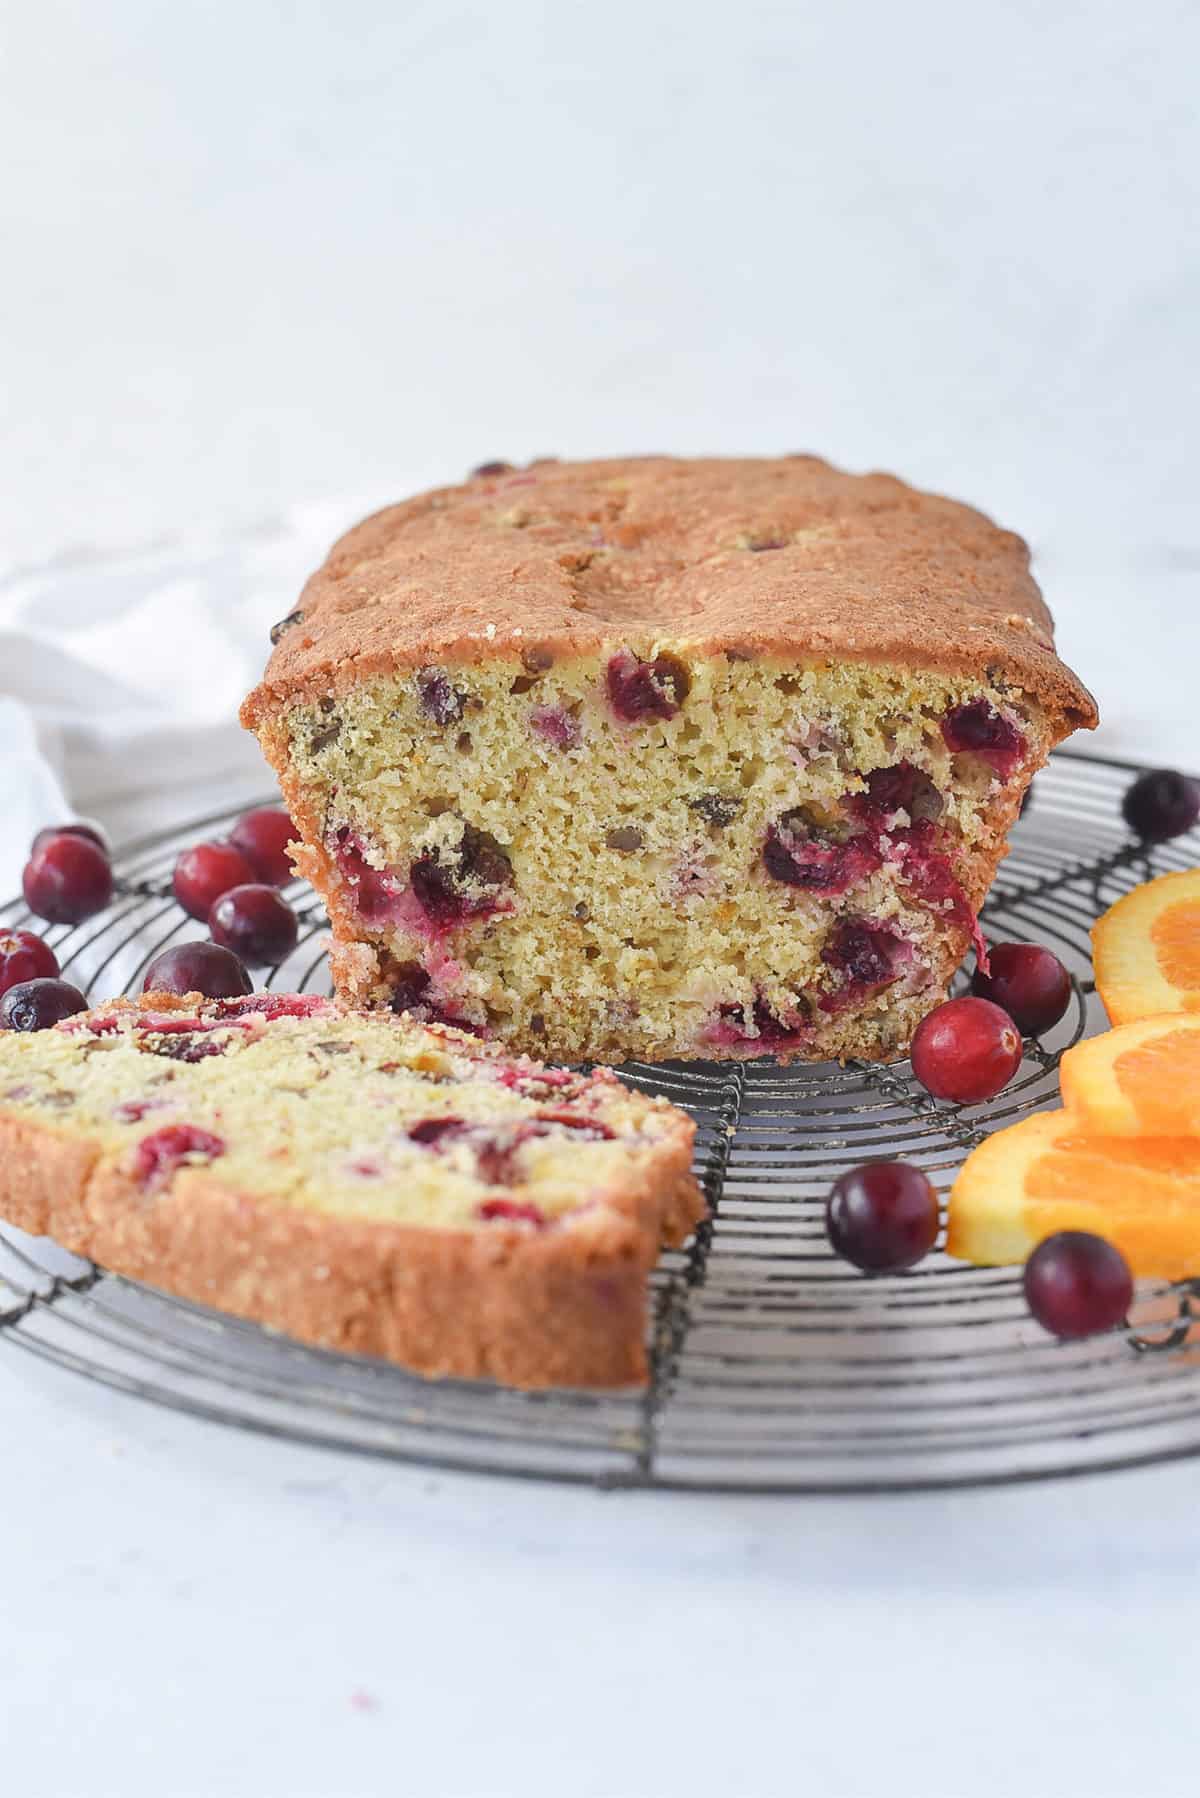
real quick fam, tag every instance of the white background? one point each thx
(262, 265)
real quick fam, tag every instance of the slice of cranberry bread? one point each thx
(363, 1182)
(660, 758)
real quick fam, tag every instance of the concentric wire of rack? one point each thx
(775, 1366)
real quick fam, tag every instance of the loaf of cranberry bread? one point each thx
(364, 1183)
(662, 758)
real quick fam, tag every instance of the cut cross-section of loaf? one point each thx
(364, 1183)
(659, 758)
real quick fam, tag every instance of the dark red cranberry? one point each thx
(801, 854)
(91, 832)
(68, 879)
(439, 699)
(584, 1129)
(1161, 804)
(202, 874)
(867, 954)
(24, 956)
(966, 1050)
(409, 983)
(1027, 982)
(198, 968)
(159, 1154)
(882, 1216)
(432, 1132)
(256, 924)
(448, 893)
(771, 1031)
(1076, 1284)
(512, 1211)
(639, 690)
(901, 788)
(262, 837)
(977, 728)
(279, 1005)
(40, 1004)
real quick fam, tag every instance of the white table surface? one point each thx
(259, 257)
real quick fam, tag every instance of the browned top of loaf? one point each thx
(786, 554)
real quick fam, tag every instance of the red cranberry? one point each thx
(555, 726)
(901, 788)
(91, 832)
(967, 1050)
(882, 1216)
(40, 1004)
(68, 879)
(262, 837)
(1027, 982)
(159, 1154)
(197, 968)
(202, 874)
(866, 953)
(256, 924)
(512, 1211)
(24, 956)
(447, 894)
(638, 690)
(273, 1006)
(432, 1132)
(1161, 804)
(800, 854)
(439, 700)
(977, 728)
(1076, 1284)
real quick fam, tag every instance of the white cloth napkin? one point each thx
(120, 678)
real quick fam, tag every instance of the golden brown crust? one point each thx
(562, 1307)
(787, 555)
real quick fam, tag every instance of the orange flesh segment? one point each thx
(1142, 1194)
(1160, 1080)
(1175, 934)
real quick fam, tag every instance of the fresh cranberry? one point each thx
(882, 1216)
(439, 699)
(1027, 982)
(91, 832)
(68, 879)
(638, 690)
(1076, 1284)
(159, 1154)
(966, 1050)
(555, 726)
(24, 956)
(262, 837)
(447, 893)
(202, 874)
(901, 788)
(801, 854)
(40, 1004)
(1161, 804)
(977, 728)
(197, 968)
(512, 1211)
(256, 924)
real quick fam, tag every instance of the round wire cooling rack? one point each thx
(775, 1367)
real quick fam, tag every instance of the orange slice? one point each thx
(1142, 1079)
(1146, 949)
(1048, 1173)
